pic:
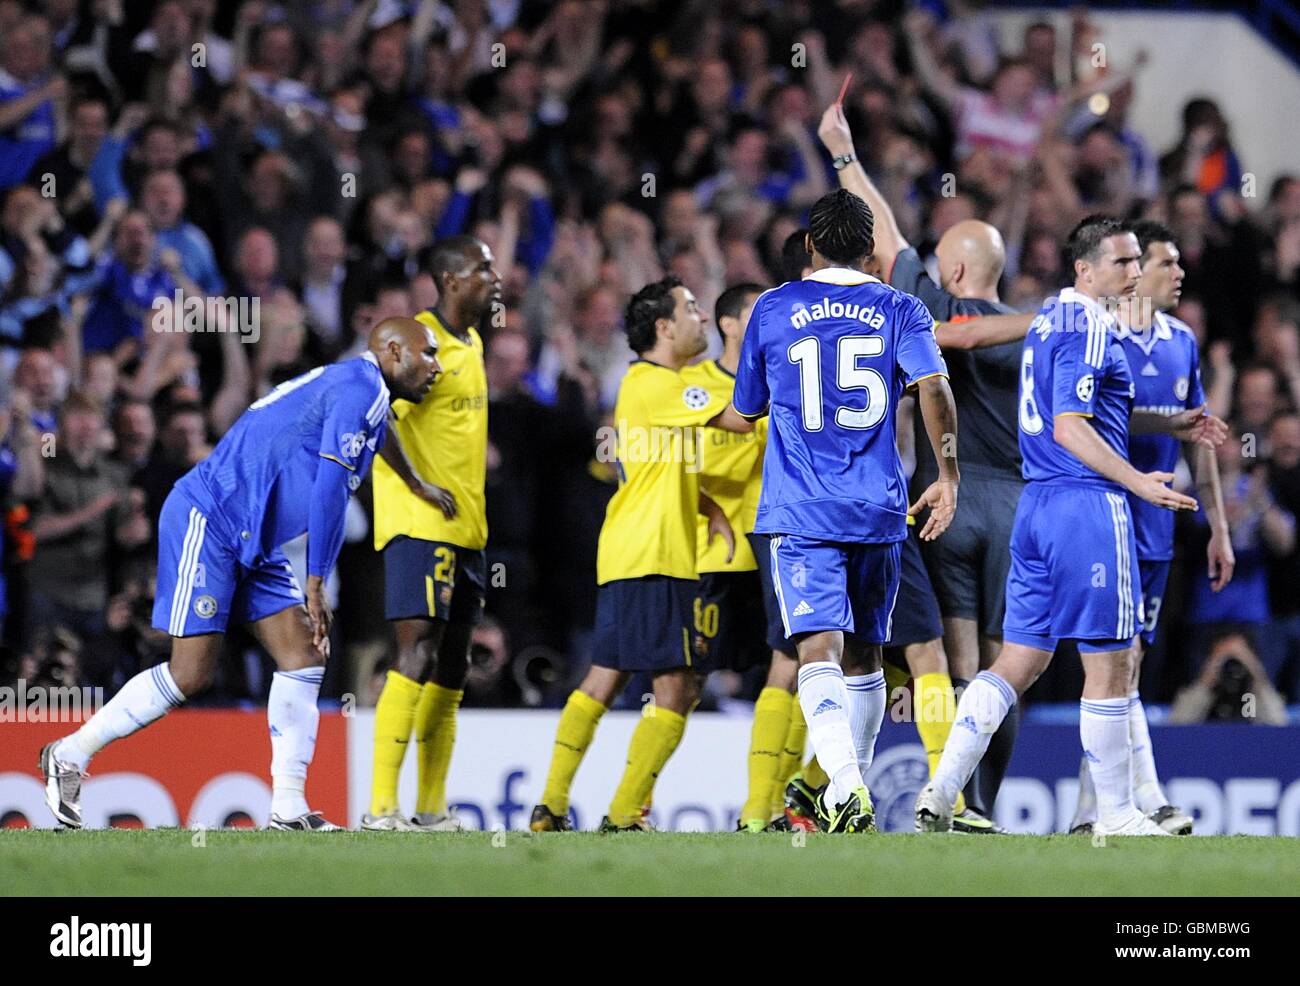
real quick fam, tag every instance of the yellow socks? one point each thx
(573, 735)
(435, 735)
(791, 755)
(394, 715)
(653, 742)
(766, 743)
(935, 707)
(813, 774)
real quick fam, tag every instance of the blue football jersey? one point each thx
(829, 357)
(1072, 363)
(257, 483)
(1166, 370)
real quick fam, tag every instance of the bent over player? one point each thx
(288, 465)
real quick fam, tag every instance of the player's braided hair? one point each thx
(651, 303)
(1086, 238)
(842, 227)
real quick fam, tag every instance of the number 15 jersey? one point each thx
(830, 356)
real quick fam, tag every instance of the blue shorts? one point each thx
(202, 585)
(433, 580)
(1074, 571)
(825, 585)
(645, 624)
(775, 636)
(1155, 576)
(918, 619)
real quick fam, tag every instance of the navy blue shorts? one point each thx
(433, 580)
(826, 585)
(645, 624)
(1155, 576)
(916, 617)
(775, 636)
(202, 585)
(729, 621)
(1074, 572)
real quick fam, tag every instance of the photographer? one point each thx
(1233, 687)
(1261, 532)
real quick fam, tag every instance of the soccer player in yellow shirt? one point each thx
(432, 537)
(645, 564)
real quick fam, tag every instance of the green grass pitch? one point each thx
(180, 863)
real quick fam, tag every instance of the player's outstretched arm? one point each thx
(1195, 425)
(393, 453)
(1076, 435)
(729, 419)
(982, 332)
(939, 412)
(1219, 554)
(838, 139)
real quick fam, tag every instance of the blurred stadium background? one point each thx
(307, 155)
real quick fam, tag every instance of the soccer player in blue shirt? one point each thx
(288, 465)
(829, 357)
(1163, 357)
(1074, 571)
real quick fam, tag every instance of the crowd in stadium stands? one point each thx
(305, 155)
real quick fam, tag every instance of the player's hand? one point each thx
(318, 611)
(940, 498)
(1222, 559)
(1153, 487)
(719, 526)
(437, 496)
(1200, 427)
(834, 131)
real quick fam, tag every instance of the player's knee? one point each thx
(679, 691)
(783, 672)
(603, 685)
(190, 679)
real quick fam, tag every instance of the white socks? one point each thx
(866, 713)
(292, 715)
(1103, 729)
(824, 698)
(1148, 795)
(1147, 792)
(150, 695)
(983, 706)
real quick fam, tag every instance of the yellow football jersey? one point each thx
(445, 437)
(649, 524)
(731, 473)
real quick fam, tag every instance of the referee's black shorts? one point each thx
(968, 564)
